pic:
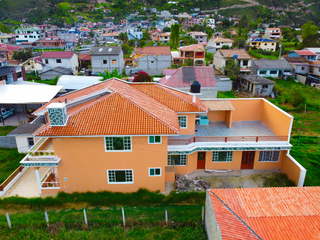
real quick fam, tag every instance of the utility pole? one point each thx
(280, 50)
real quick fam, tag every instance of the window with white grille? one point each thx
(120, 176)
(269, 156)
(179, 160)
(182, 121)
(118, 143)
(222, 156)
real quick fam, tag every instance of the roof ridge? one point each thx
(143, 109)
(169, 79)
(235, 215)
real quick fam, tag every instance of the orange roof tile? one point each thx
(192, 47)
(272, 213)
(175, 100)
(125, 111)
(218, 105)
(153, 50)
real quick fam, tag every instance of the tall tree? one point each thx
(309, 29)
(174, 36)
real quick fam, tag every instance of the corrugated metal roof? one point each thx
(105, 50)
(62, 54)
(272, 64)
(274, 213)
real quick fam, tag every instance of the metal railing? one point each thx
(11, 177)
(226, 139)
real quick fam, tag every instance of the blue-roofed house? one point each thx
(134, 34)
(264, 44)
(311, 56)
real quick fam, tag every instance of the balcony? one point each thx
(50, 179)
(41, 155)
(217, 134)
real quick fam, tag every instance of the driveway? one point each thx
(16, 120)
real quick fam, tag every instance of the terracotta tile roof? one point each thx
(275, 213)
(62, 54)
(153, 50)
(296, 59)
(229, 53)
(204, 75)
(305, 53)
(175, 100)
(192, 47)
(125, 111)
(220, 39)
(84, 57)
(218, 105)
(230, 226)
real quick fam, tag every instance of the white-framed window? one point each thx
(182, 121)
(154, 139)
(222, 156)
(178, 160)
(30, 142)
(122, 176)
(154, 172)
(269, 156)
(117, 144)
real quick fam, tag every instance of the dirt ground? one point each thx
(231, 179)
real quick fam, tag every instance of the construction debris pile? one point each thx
(182, 184)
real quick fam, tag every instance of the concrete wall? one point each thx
(293, 169)
(99, 66)
(154, 64)
(211, 225)
(7, 142)
(224, 85)
(206, 92)
(301, 78)
(84, 162)
(218, 61)
(22, 143)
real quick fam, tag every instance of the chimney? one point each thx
(195, 89)
(58, 114)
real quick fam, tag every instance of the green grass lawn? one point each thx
(229, 94)
(227, 3)
(257, 54)
(9, 161)
(4, 130)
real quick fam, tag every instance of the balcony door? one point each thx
(201, 163)
(247, 159)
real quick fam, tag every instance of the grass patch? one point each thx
(229, 94)
(307, 151)
(9, 161)
(191, 231)
(47, 81)
(4, 130)
(227, 3)
(142, 197)
(278, 180)
(264, 54)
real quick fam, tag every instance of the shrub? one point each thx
(142, 77)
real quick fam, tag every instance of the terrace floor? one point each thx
(218, 129)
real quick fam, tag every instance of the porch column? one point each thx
(36, 169)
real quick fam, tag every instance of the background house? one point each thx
(272, 68)
(311, 56)
(29, 34)
(273, 33)
(195, 52)
(256, 85)
(106, 59)
(66, 60)
(199, 36)
(264, 44)
(219, 42)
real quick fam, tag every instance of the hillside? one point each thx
(285, 12)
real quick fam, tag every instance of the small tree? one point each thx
(142, 77)
(232, 68)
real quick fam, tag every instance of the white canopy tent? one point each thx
(27, 94)
(70, 82)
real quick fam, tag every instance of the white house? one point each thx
(219, 42)
(67, 60)
(30, 34)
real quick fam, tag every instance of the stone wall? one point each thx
(7, 142)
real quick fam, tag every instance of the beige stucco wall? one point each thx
(191, 123)
(290, 168)
(22, 143)
(84, 163)
(268, 165)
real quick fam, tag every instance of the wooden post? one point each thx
(166, 215)
(257, 139)
(85, 216)
(123, 217)
(202, 214)
(47, 217)
(8, 219)
(226, 139)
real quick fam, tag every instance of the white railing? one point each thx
(42, 154)
(46, 185)
(37, 145)
(46, 175)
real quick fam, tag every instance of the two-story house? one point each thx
(164, 38)
(122, 136)
(273, 33)
(272, 68)
(240, 55)
(195, 52)
(11, 74)
(52, 41)
(29, 34)
(264, 44)
(199, 36)
(134, 34)
(106, 59)
(150, 59)
(58, 64)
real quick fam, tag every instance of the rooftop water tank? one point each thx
(195, 87)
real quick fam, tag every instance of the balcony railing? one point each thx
(226, 139)
(42, 154)
(49, 180)
(11, 177)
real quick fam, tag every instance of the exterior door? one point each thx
(201, 163)
(247, 159)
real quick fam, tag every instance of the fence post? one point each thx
(123, 217)
(8, 219)
(202, 214)
(166, 214)
(85, 216)
(47, 217)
